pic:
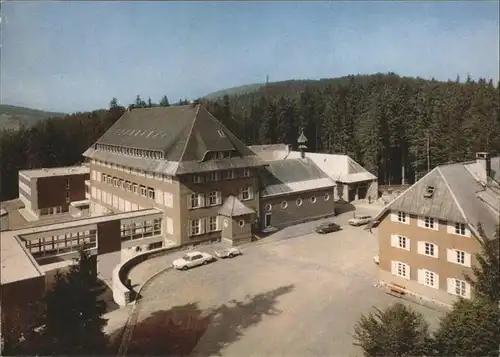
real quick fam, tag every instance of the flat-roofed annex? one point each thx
(56, 171)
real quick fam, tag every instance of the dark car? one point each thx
(328, 227)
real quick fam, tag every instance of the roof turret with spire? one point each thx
(302, 140)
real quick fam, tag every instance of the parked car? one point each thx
(376, 260)
(327, 227)
(360, 220)
(192, 259)
(227, 252)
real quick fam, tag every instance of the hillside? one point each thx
(249, 88)
(13, 117)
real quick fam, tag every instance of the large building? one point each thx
(159, 177)
(428, 236)
(49, 192)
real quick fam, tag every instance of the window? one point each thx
(460, 257)
(246, 193)
(429, 192)
(429, 222)
(214, 176)
(151, 193)
(299, 202)
(212, 198)
(128, 186)
(68, 198)
(195, 227)
(167, 178)
(115, 182)
(313, 199)
(136, 188)
(219, 155)
(229, 174)
(213, 224)
(122, 184)
(103, 178)
(168, 199)
(143, 191)
(268, 207)
(247, 172)
(401, 269)
(401, 217)
(460, 229)
(429, 249)
(241, 223)
(67, 184)
(403, 242)
(460, 287)
(430, 279)
(221, 133)
(109, 180)
(284, 204)
(327, 196)
(195, 200)
(196, 179)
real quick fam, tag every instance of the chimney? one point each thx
(484, 162)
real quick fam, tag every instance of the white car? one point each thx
(227, 252)
(360, 220)
(191, 260)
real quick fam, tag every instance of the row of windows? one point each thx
(299, 202)
(142, 190)
(154, 175)
(49, 211)
(63, 243)
(430, 223)
(214, 176)
(214, 198)
(429, 278)
(114, 201)
(204, 225)
(432, 250)
(149, 154)
(144, 229)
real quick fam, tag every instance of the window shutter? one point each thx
(202, 225)
(420, 276)
(394, 267)
(408, 242)
(394, 217)
(94, 175)
(451, 228)
(408, 271)
(201, 199)
(421, 247)
(240, 194)
(94, 194)
(421, 222)
(189, 202)
(219, 197)
(189, 225)
(394, 240)
(159, 196)
(467, 290)
(436, 280)
(250, 192)
(450, 286)
(451, 256)
(467, 260)
(436, 250)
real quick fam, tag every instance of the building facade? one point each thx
(428, 236)
(49, 192)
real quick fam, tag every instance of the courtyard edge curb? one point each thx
(132, 319)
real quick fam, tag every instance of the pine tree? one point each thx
(73, 318)
(396, 331)
(469, 330)
(164, 102)
(486, 280)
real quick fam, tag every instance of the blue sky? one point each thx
(70, 56)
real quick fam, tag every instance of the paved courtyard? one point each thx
(299, 296)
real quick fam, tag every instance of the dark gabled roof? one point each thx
(233, 207)
(183, 133)
(291, 170)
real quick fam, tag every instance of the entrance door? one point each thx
(267, 220)
(362, 191)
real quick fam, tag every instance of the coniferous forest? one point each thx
(383, 121)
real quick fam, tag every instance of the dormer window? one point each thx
(220, 155)
(221, 133)
(429, 192)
